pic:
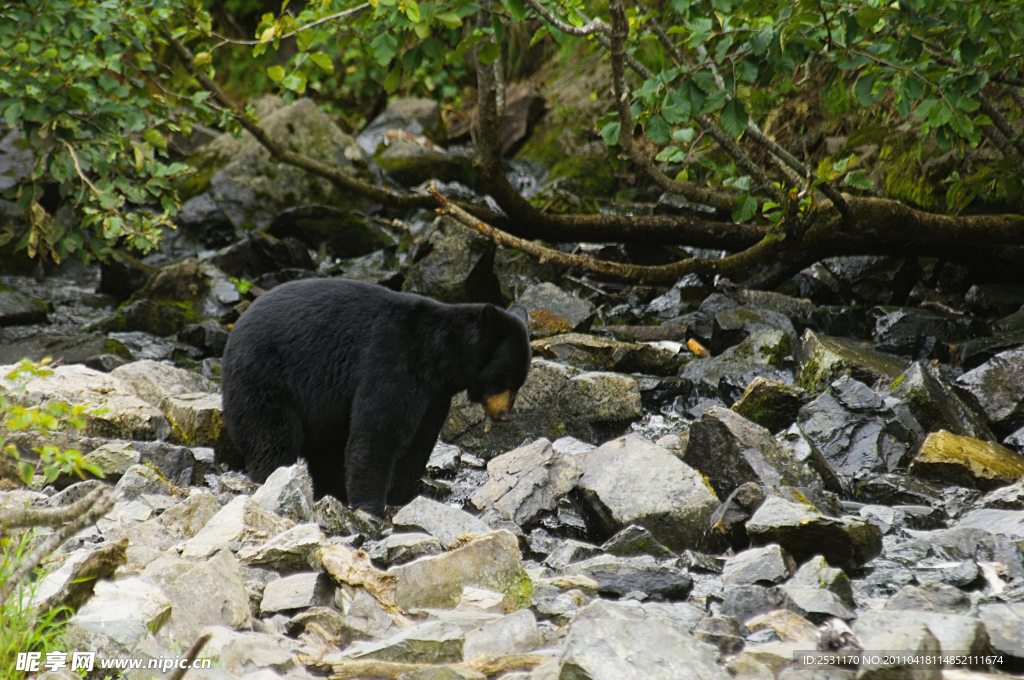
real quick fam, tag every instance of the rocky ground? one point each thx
(849, 449)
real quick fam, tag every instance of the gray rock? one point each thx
(410, 162)
(571, 551)
(935, 405)
(181, 465)
(242, 520)
(208, 593)
(632, 481)
(526, 482)
(803, 450)
(445, 523)
(956, 634)
(18, 309)
(82, 348)
(931, 597)
(916, 332)
(635, 540)
(745, 602)
(1008, 523)
(816, 573)
(553, 310)
(724, 632)
(431, 642)
(1007, 498)
(124, 610)
(188, 517)
(592, 353)
(328, 620)
(490, 562)
(290, 550)
(1005, 626)
(288, 492)
(772, 404)
(240, 653)
(911, 640)
(415, 116)
(457, 266)
(730, 450)
(112, 459)
(555, 400)
(859, 431)
(766, 565)
(996, 389)
(367, 619)
(141, 479)
(402, 548)
(153, 382)
(618, 576)
(513, 634)
(965, 461)
(824, 359)
(611, 642)
(962, 542)
(804, 532)
(725, 377)
(817, 604)
(298, 591)
(337, 519)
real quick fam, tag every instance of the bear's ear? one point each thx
(519, 312)
(490, 317)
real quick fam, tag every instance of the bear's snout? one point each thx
(499, 406)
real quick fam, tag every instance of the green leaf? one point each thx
(734, 117)
(322, 60)
(412, 10)
(610, 133)
(516, 8)
(275, 73)
(658, 131)
(745, 208)
(295, 82)
(392, 79)
(448, 19)
(489, 52)
(433, 48)
(155, 138)
(868, 16)
(858, 180)
(384, 46)
(684, 135)
(939, 115)
(862, 91)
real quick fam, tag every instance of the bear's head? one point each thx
(506, 347)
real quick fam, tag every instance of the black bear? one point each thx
(357, 379)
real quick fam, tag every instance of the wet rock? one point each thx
(909, 640)
(431, 642)
(242, 520)
(859, 431)
(1007, 498)
(959, 543)
(916, 332)
(745, 602)
(729, 450)
(945, 457)
(411, 115)
(1008, 523)
(308, 589)
(632, 481)
(290, 550)
(402, 548)
(733, 325)
(766, 565)
(973, 352)
(491, 562)
(994, 299)
(453, 264)
(879, 280)
(126, 416)
(824, 359)
(619, 576)
(555, 400)
(955, 633)
(725, 377)
(803, 531)
(260, 253)
(112, 459)
(996, 389)
(569, 552)
(931, 596)
(409, 162)
(935, 405)
(608, 641)
(788, 626)
(201, 216)
(817, 574)
(86, 348)
(1004, 624)
(18, 309)
(251, 188)
(772, 404)
(120, 614)
(686, 294)
(599, 354)
(513, 634)
(553, 311)
(527, 481)
(288, 492)
(635, 540)
(210, 336)
(188, 517)
(447, 524)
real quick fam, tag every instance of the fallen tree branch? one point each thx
(47, 517)
(101, 504)
(193, 652)
(480, 666)
(592, 27)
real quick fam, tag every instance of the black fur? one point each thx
(357, 379)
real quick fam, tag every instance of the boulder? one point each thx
(453, 264)
(18, 309)
(859, 431)
(298, 591)
(124, 611)
(996, 389)
(620, 576)
(411, 115)
(766, 565)
(824, 359)
(188, 517)
(526, 482)
(903, 643)
(915, 332)
(946, 457)
(242, 520)
(432, 642)
(402, 548)
(955, 633)
(410, 161)
(600, 354)
(632, 481)
(83, 348)
(772, 404)
(931, 596)
(555, 400)
(553, 311)
(290, 550)
(1004, 624)
(205, 594)
(762, 354)
(288, 492)
(512, 634)
(803, 531)
(934, 403)
(729, 450)
(447, 524)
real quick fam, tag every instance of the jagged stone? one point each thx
(430, 643)
(290, 550)
(824, 359)
(769, 564)
(935, 405)
(945, 457)
(298, 591)
(242, 520)
(402, 548)
(996, 389)
(447, 524)
(592, 353)
(288, 492)
(772, 404)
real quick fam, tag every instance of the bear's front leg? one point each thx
(375, 442)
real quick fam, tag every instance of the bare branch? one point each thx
(102, 504)
(1016, 144)
(193, 652)
(46, 517)
(619, 270)
(592, 27)
(300, 29)
(1017, 95)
